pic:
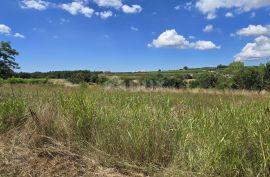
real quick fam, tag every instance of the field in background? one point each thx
(92, 130)
(143, 74)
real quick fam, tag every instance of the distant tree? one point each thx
(185, 68)
(235, 68)
(266, 76)
(159, 70)
(7, 60)
(221, 66)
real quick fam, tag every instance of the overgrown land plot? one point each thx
(50, 130)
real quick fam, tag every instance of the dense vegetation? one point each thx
(161, 133)
(234, 76)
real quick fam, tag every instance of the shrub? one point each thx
(207, 80)
(114, 82)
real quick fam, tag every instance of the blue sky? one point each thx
(135, 35)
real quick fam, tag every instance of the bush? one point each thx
(114, 82)
(174, 82)
(193, 84)
(207, 80)
(224, 82)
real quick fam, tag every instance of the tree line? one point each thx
(233, 76)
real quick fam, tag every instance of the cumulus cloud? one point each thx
(204, 45)
(171, 39)
(211, 16)
(19, 35)
(78, 7)
(4, 29)
(210, 7)
(132, 9)
(104, 15)
(229, 15)
(109, 3)
(208, 28)
(254, 30)
(81, 7)
(259, 49)
(34, 4)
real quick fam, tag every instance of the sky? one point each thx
(135, 35)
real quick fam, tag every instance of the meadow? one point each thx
(133, 132)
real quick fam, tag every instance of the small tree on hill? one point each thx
(7, 60)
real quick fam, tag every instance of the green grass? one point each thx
(181, 134)
(14, 80)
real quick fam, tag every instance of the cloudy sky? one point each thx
(135, 35)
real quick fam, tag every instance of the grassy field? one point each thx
(141, 75)
(132, 133)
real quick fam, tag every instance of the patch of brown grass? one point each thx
(28, 150)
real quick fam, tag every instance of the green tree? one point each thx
(207, 80)
(185, 68)
(236, 70)
(7, 60)
(252, 79)
(224, 82)
(266, 76)
(220, 66)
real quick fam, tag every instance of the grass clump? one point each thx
(12, 112)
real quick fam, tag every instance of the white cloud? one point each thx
(210, 7)
(254, 30)
(134, 28)
(34, 4)
(132, 9)
(109, 3)
(104, 15)
(18, 35)
(259, 49)
(211, 16)
(4, 29)
(81, 6)
(208, 28)
(204, 45)
(186, 6)
(77, 7)
(229, 15)
(171, 39)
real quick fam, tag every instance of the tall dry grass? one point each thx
(165, 133)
